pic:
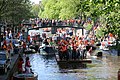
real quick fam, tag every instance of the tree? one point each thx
(59, 9)
(113, 17)
(99, 32)
(13, 11)
(68, 9)
(35, 9)
(106, 12)
(51, 9)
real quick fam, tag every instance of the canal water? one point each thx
(105, 68)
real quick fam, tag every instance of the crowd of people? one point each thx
(74, 47)
(53, 22)
(70, 46)
(16, 44)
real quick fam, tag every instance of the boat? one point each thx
(34, 47)
(72, 60)
(29, 51)
(47, 50)
(25, 76)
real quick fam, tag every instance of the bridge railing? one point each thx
(44, 23)
(60, 24)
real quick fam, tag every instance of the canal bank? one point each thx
(13, 68)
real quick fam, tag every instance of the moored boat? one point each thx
(25, 76)
(47, 50)
(30, 51)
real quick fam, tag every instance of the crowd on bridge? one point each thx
(55, 22)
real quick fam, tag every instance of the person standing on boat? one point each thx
(64, 52)
(28, 40)
(27, 65)
(60, 51)
(46, 49)
(74, 48)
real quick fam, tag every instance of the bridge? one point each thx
(55, 26)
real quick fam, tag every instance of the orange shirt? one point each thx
(76, 38)
(80, 41)
(86, 42)
(64, 48)
(92, 42)
(28, 38)
(5, 47)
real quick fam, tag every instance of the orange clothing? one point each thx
(20, 66)
(64, 48)
(77, 43)
(76, 38)
(80, 42)
(92, 42)
(28, 38)
(110, 34)
(24, 45)
(4, 47)
(86, 42)
(11, 46)
(18, 34)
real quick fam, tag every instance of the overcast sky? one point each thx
(35, 1)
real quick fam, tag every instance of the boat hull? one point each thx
(25, 76)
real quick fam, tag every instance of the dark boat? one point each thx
(47, 50)
(30, 51)
(72, 60)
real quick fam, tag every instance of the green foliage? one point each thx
(100, 32)
(88, 26)
(107, 12)
(35, 10)
(59, 9)
(112, 10)
(13, 11)
(68, 9)
(51, 9)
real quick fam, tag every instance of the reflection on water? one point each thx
(104, 68)
(72, 66)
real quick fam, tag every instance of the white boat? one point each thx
(25, 76)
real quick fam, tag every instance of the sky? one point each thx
(35, 1)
